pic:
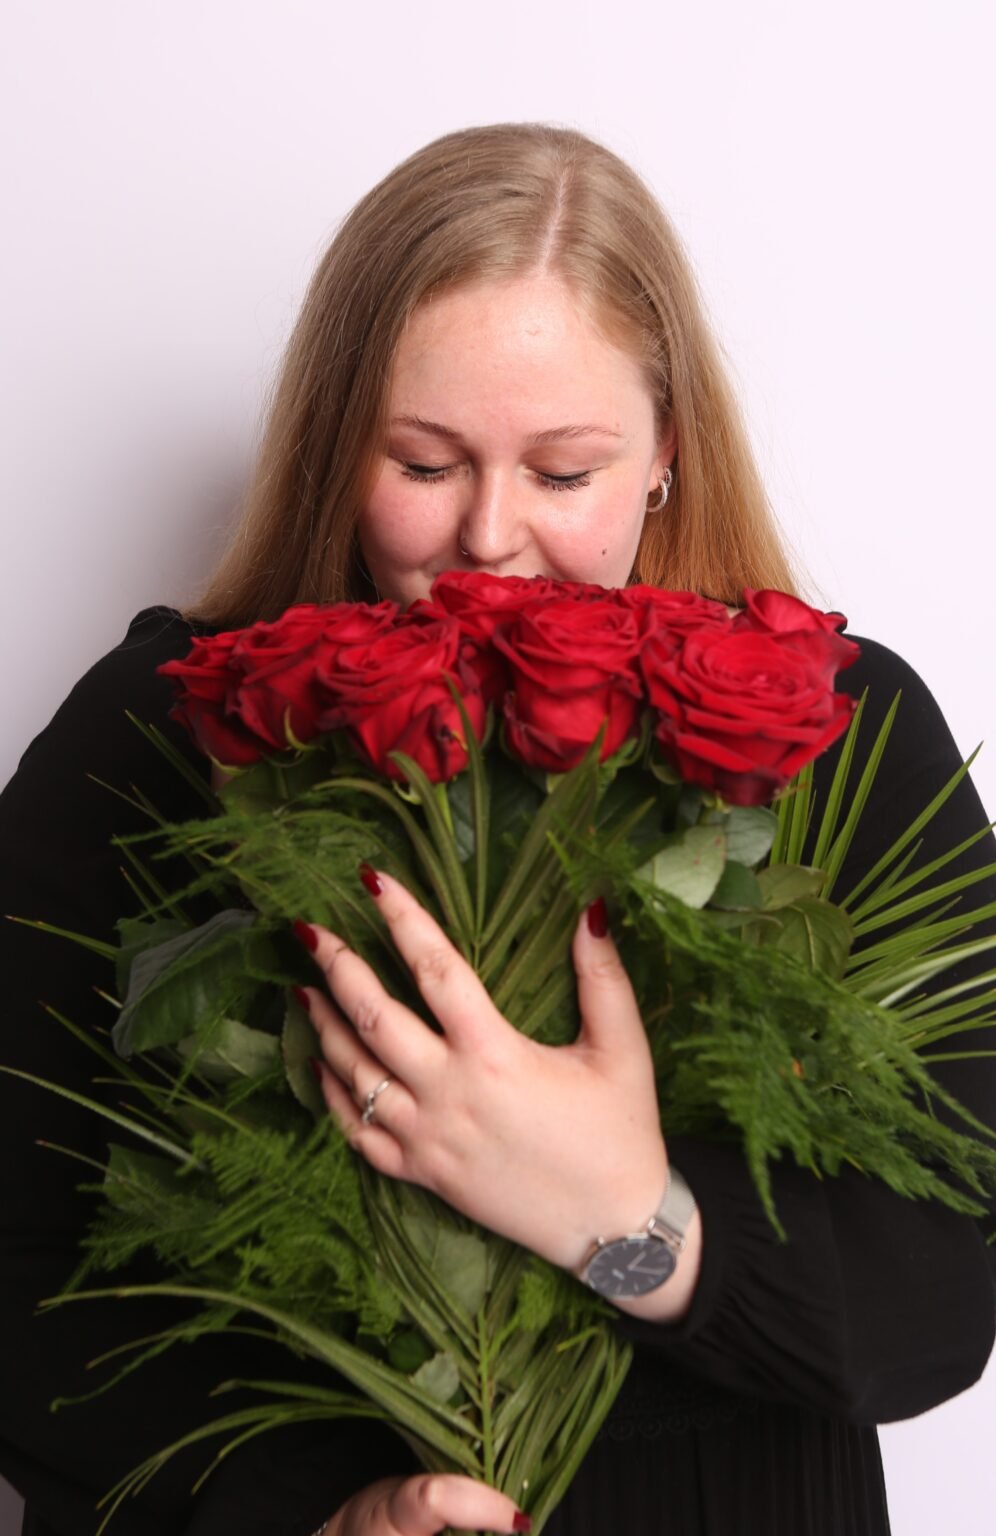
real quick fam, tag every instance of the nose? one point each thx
(493, 528)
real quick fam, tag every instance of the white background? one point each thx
(171, 172)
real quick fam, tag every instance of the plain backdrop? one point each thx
(171, 173)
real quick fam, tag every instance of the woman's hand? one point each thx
(424, 1504)
(548, 1146)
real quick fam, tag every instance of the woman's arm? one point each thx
(57, 863)
(879, 1307)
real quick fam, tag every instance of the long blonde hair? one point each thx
(490, 202)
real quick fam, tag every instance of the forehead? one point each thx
(515, 341)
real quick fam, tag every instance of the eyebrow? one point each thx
(551, 435)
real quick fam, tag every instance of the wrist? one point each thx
(671, 1301)
(650, 1269)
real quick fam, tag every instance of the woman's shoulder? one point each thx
(155, 635)
(93, 732)
(877, 665)
(880, 674)
(126, 675)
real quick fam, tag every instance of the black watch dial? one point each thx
(631, 1266)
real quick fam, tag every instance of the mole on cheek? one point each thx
(603, 551)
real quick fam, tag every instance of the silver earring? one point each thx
(665, 486)
(463, 551)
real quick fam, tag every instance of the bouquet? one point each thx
(510, 750)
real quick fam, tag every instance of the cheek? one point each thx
(598, 542)
(401, 523)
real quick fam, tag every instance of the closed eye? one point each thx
(431, 474)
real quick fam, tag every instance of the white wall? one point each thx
(175, 169)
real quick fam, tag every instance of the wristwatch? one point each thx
(638, 1263)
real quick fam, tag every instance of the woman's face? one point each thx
(517, 431)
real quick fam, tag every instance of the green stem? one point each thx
(487, 1433)
(444, 806)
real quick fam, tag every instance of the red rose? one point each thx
(203, 680)
(679, 613)
(481, 602)
(276, 666)
(742, 711)
(573, 666)
(779, 613)
(239, 690)
(390, 694)
(286, 665)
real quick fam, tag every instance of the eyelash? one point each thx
(422, 474)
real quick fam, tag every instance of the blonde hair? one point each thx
(488, 203)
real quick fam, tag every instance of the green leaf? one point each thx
(408, 1351)
(299, 1042)
(137, 934)
(664, 772)
(183, 766)
(835, 797)
(195, 978)
(181, 1153)
(471, 830)
(438, 1378)
(454, 896)
(782, 884)
(274, 782)
(690, 868)
(842, 842)
(439, 1426)
(567, 809)
(739, 890)
(750, 832)
(799, 800)
(459, 795)
(96, 946)
(459, 1260)
(127, 1167)
(815, 932)
(232, 1050)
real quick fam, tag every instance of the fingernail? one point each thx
(306, 934)
(302, 998)
(598, 922)
(521, 1522)
(316, 1068)
(371, 879)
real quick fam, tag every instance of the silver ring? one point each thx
(372, 1097)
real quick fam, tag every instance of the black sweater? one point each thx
(755, 1412)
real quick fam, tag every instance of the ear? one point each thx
(667, 448)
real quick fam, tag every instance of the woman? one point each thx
(501, 365)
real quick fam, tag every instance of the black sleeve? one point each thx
(57, 863)
(878, 1307)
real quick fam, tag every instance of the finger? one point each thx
(425, 1504)
(610, 1013)
(451, 988)
(374, 1142)
(356, 1068)
(392, 1033)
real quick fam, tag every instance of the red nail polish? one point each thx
(306, 934)
(598, 922)
(302, 998)
(315, 1064)
(521, 1522)
(371, 879)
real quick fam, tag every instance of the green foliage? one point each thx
(201, 974)
(768, 1029)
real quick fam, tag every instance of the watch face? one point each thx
(630, 1266)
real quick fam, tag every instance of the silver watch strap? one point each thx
(671, 1218)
